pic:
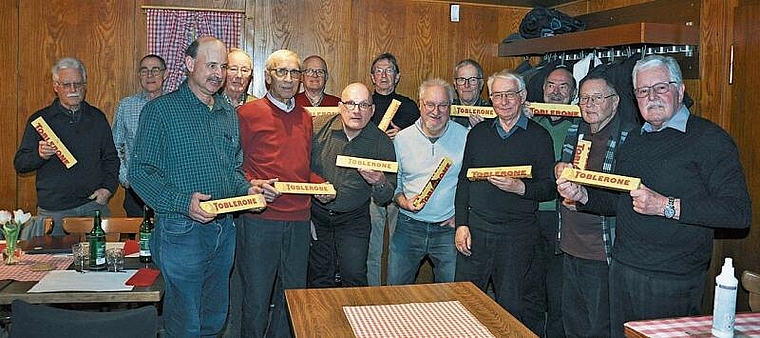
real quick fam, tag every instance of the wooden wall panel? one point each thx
(8, 113)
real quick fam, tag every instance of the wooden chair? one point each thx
(114, 227)
(751, 283)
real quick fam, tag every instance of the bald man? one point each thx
(343, 224)
(239, 75)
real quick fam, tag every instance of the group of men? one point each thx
(630, 255)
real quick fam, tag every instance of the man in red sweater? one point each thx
(273, 246)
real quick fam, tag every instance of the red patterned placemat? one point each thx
(22, 271)
(435, 319)
(746, 325)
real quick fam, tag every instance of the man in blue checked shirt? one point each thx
(152, 73)
(187, 150)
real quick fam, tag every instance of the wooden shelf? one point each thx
(619, 35)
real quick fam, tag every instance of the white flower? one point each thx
(20, 217)
(5, 216)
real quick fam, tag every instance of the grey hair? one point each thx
(469, 62)
(653, 61)
(437, 82)
(506, 75)
(69, 63)
(280, 55)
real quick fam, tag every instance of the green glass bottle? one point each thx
(146, 230)
(97, 240)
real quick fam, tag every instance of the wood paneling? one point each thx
(8, 112)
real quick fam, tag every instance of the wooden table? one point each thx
(10, 290)
(319, 312)
(745, 325)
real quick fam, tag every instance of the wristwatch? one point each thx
(670, 208)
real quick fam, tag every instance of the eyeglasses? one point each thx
(315, 72)
(283, 72)
(387, 71)
(460, 81)
(659, 88)
(155, 71)
(351, 105)
(72, 85)
(431, 106)
(593, 99)
(505, 96)
(242, 71)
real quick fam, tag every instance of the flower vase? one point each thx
(10, 253)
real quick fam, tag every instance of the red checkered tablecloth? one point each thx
(22, 271)
(436, 319)
(746, 325)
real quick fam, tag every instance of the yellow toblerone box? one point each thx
(602, 180)
(321, 111)
(48, 135)
(389, 114)
(553, 109)
(520, 171)
(366, 163)
(582, 149)
(305, 188)
(432, 182)
(232, 204)
(466, 111)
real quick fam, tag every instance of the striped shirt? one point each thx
(125, 121)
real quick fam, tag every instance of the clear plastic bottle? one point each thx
(724, 304)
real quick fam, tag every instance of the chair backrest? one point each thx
(751, 283)
(32, 321)
(113, 226)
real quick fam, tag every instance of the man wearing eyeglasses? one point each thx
(497, 223)
(385, 75)
(239, 75)
(543, 285)
(692, 183)
(152, 73)
(343, 224)
(426, 229)
(314, 79)
(273, 246)
(86, 186)
(468, 83)
(586, 238)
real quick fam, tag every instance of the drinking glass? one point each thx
(81, 253)
(115, 259)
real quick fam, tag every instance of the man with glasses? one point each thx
(343, 225)
(468, 83)
(273, 246)
(239, 75)
(385, 75)
(314, 78)
(87, 185)
(497, 223)
(426, 229)
(692, 183)
(152, 73)
(543, 283)
(586, 238)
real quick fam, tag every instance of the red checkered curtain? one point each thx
(170, 32)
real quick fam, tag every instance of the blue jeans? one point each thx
(585, 297)
(380, 216)
(195, 261)
(271, 257)
(84, 210)
(636, 295)
(412, 241)
(341, 246)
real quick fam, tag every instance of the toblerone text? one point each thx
(432, 182)
(582, 149)
(48, 135)
(602, 180)
(389, 114)
(553, 109)
(305, 188)
(232, 204)
(520, 171)
(366, 163)
(466, 111)
(321, 111)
